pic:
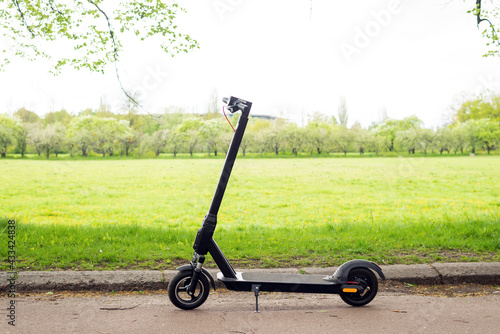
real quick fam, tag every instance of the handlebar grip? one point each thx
(241, 106)
(225, 100)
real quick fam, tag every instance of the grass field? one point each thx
(277, 212)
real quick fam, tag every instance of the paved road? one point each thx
(230, 312)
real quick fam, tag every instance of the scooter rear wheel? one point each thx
(179, 296)
(367, 279)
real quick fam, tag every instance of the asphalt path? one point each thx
(231, 312)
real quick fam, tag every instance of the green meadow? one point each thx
(125, 214)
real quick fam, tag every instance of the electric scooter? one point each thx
(354, 280)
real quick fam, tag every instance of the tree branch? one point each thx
(16, 3)
(111, 32)
(56, 10)
(115, 52)
(479, 20)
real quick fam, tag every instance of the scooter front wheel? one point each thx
(365, 278)
(179, 296)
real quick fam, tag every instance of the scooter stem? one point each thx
(205, 233)
(229, 162)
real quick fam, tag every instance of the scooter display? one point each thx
(355, 281)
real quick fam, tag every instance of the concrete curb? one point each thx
(39, 281)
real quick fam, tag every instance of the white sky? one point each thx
(409, 56)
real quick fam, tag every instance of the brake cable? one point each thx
(227, 119)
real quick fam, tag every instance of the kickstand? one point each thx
(256, 289)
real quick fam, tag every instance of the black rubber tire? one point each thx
(178, 295)
(366, 278)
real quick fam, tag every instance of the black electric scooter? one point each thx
(354, 280)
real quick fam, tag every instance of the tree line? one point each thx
(475, 126)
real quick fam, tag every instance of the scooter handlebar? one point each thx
(234, 104)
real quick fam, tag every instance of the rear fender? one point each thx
(189, 267)
(342, 272)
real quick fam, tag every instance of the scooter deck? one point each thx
(279, 282)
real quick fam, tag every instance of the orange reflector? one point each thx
(350, 290)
